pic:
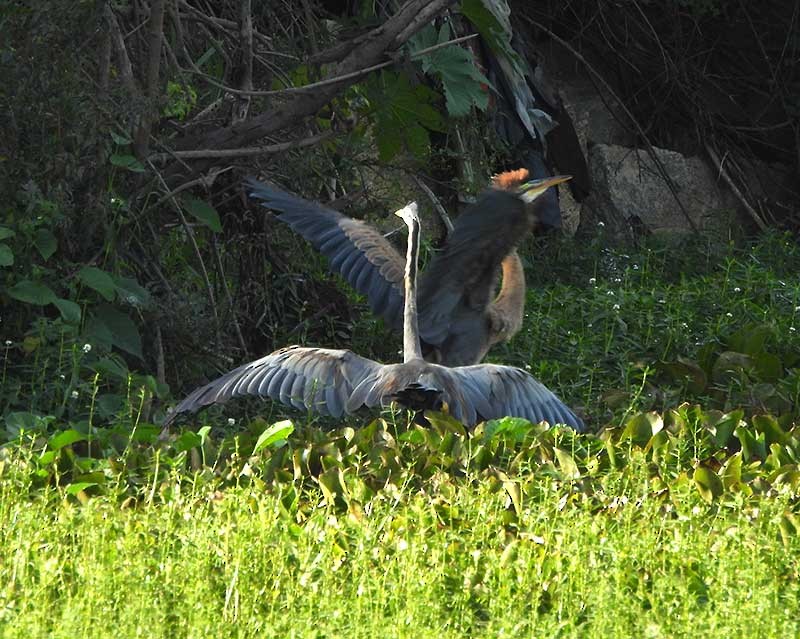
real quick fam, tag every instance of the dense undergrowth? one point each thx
(679, 514)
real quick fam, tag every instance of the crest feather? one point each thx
(509, 179)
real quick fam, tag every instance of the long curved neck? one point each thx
(510, 302)
(411, 344)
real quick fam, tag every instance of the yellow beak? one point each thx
(531, 190)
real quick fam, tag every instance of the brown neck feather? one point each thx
(508, 308)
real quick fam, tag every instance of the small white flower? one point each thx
(684, 325)
(402, 545)
(617, 280)
(231, 421)
(796, 310)
(74, 394)
(87, 348)
(588, 326)
(527, 367)
(635, 267)
(592, 280)
(781, 282)
(9, 342)
(662, 301)
(792, 328)
(62, 376)
(601, 224)
(609, 292)
(616, 307)
(728, 314)
(737, 290)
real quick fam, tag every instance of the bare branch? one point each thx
(307, 88)
(245, 66)
(729, 181)
(141, 136)
(448, 223)
(225, 288)
(244, 152)
(123, 60)
(307, 104)
(190, 234)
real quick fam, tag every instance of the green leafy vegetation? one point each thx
(674, 518)
(125, 268)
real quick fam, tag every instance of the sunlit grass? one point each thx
(678, 523)
(412, 563)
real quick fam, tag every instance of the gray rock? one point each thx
(631, 197)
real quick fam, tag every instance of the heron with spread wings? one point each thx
(337, 382)
(460, 319)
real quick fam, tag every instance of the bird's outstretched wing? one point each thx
(320, 380)
(482, 237)
(358, 252)
(498, 391)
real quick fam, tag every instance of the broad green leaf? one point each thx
(98, 334)
(32, 293)
(332, 485)
(65, 438)
(69, 310)
(18, 421)
(127, 162)
(187, 440)
(131, 292)
(492, 32)
(109, 404)
(464, 85)
(74, 489)
(724, 426)
(640, 428)
(768, 425)
(111, 367)
(567, 464)
(729, 365)
(6, 233)
(769, 366)
(516, 427)
(514, 494)
(709, 485)
(6, 255)
(753, 445)
(46, 243)
(120, 140)
(203, 212)
(120, 327)
(98, 280)
(731, 471)
(399, 111)
(750, 339)
(687, 371)
(276, 433)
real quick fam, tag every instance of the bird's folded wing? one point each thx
(355, 250)
(499, 391)
(314, 379)
(461, 279)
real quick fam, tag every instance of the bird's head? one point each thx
(409, 214)
(529, 191)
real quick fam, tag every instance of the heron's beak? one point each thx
(409, 211)
(531, 190)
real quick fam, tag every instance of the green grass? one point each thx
(675, 519)
(444, 559)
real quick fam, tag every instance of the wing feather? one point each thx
(304, 378)
(500, 391)
(356, 251)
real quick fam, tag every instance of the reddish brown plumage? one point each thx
(509, 179)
